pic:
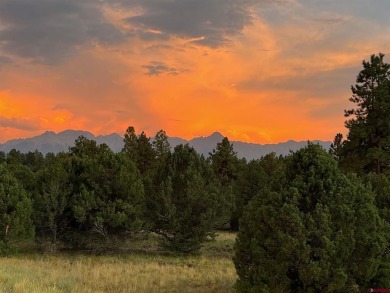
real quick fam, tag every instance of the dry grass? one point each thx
(137, 272)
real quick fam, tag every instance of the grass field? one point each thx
(142, 269)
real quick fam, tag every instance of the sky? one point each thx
(262, 71)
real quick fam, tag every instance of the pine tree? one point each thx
(226, 165)
(380, 184)
(321, 232)
(367, 147)
(140, 151)
(15, 211)
(107, 196)
(185, 202)
(224, 162)
(145, 155)
(130, 140)
(161, 145)
(50, 200)
(257, 177)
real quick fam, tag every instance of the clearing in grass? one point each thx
(133, 271)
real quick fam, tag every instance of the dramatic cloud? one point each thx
(256, 70)
(48, 31)
(206, 22)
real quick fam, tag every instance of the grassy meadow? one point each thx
(141, 268)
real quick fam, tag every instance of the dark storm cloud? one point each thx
(18, 123)
(47, 31)
(156, 68)
(207, 22)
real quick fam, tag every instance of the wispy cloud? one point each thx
(156, 68)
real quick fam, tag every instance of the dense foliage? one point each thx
(185, 200)
(91, 197)
(15, 211)
(318, 232)
(226, 166)
(366, 148)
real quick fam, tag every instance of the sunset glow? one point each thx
(255, 70)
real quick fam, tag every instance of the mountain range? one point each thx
(57, 142)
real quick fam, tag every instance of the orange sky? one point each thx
(257, 71)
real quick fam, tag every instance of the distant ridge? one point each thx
(50, 141)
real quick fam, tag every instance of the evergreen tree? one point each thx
(107, 196)
(161, 145)
(336, 147)
(51, 199)
(162, 151)
(24, 175)
(15, 211)
(225, 165)
(257, 177)
(380, 184)
(321, 232)
(185, 201)
(3, 157)
(224, 162)
(130, 139)
(250, 181)
(145, 155)
(15, 157)
(34, 160)
(140, 151)
(367, 147)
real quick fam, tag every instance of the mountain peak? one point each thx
(216, 135)
(48, 132)
(75, 132)
(49, 141)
